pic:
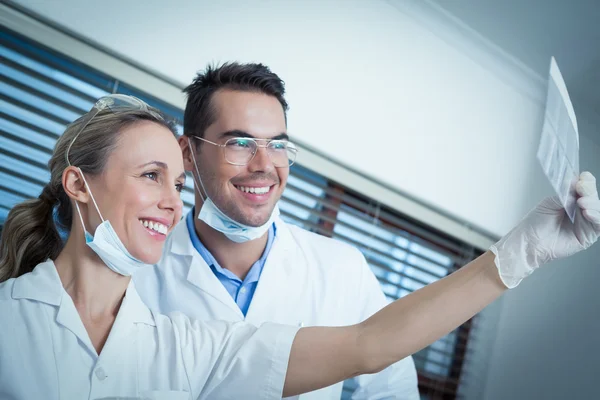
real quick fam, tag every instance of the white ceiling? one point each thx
(535, 30)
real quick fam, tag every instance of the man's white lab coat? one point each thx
(307, 280)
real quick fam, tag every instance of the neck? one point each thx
(96, 290)
(236, 257)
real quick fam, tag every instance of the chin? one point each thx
(254, 222)
(257, 217)
(148, 257)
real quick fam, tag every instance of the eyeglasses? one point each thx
(115, 103)
(241, 150)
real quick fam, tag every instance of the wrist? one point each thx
(492, 271)
(511, 262)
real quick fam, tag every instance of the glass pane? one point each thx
(300, 185)
(41, 104)
(31, 118)
(402, 266)
(20, 131)
(46, 88)
(52, 73)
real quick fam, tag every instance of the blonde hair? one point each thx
(30, 235)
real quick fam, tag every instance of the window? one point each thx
(42, 91)
(405, 256)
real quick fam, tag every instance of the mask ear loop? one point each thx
(93, 200)
(91, 194)
(197, 172)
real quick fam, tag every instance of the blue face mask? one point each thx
(219, 221)
(106, 244)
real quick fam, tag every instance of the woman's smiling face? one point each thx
(139, 189)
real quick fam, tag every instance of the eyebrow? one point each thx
(161, 165)
(238, 133)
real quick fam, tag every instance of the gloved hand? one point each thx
(547, 233)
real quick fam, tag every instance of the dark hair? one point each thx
(30, 235)
(200, 113)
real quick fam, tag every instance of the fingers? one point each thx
(590, 208)
(592, 216)
(586, 186)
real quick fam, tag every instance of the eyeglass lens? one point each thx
(239, 151)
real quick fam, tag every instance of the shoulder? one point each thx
(327, 255)
(316, 243)
(6, 289)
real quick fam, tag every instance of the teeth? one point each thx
(155, 226)
(255, 190)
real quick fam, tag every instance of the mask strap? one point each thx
(197, 172)
(80, 217)
(91, 195)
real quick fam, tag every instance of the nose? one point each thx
(171, 200)
(261, 162)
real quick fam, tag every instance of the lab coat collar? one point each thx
(286, 241)
(134, 309)
(280, 281)
(44, 285)
(199, 273)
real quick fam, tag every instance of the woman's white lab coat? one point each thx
(46, 353)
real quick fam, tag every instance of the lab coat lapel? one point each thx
(281, 281)
(132, 311)
(199, 273)
(69, 317)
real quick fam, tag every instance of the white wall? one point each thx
(546, 342)
(540, 341)
(368, 86)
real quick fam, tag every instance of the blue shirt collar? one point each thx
(255, 270)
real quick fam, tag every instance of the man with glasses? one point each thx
(232, 257)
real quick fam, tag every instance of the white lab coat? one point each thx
(307, 280)
(46, 353)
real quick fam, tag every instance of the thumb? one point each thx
(586, 185)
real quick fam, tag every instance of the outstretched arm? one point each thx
(323, 356)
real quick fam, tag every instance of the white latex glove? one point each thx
(547, 233)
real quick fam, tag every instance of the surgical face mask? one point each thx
(236, 232)
(106, 244)
(219, 221)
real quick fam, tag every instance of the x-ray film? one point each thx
(559, 145)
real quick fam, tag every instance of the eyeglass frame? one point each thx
(255, 140)
(105, 102)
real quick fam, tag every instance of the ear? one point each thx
(74, 185)
(187, 146)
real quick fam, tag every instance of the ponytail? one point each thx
(29, 236)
